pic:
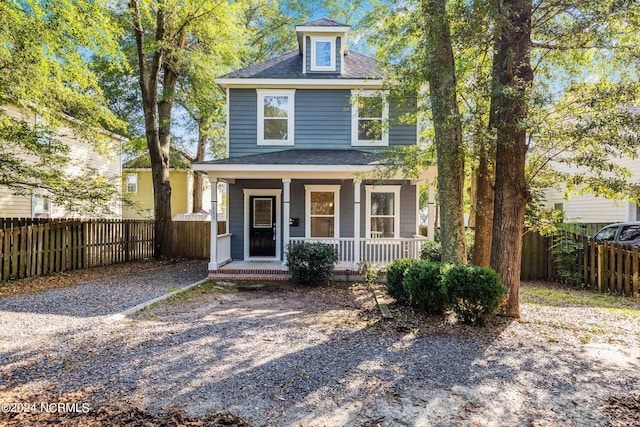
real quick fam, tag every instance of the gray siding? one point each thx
(401, 131)
(307, 56)
(322, 121)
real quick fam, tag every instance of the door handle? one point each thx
(274, 231)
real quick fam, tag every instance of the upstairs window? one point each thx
(369, 119)
(323, 54)
(132, 183)
(275, 117)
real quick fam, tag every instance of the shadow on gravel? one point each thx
(270, 359)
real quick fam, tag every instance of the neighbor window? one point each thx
(383, 211)
(41, 206)
(369, 118)
(322, 210)
(275, 117)
(323, 54)
(132, 183)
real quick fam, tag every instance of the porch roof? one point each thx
(299, 163)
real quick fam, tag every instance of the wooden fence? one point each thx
(33, 248)
(606, 266)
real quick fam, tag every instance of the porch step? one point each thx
(251, 277)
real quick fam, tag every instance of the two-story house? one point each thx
(306, 130)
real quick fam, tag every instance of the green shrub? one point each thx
(474, 292)
(311, 263)
(423, 283)
(431, 251)
(395, 276)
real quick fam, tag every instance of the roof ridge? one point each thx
(322, 22)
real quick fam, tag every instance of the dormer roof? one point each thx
(321, 25)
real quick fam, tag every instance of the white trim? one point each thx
(332, 61)
(290, 94)
(341, 83)
(33, 205)
(384, 142)
(304, 54)
(126, 182)
(335, 189)
(248, 192)
(395, 189)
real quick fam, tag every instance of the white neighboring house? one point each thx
(589, 209)
(84, 157)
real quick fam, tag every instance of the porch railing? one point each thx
(379, 252)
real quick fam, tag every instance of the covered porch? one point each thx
(271, 206)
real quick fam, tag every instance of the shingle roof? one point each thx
(289, 66)
(323, 22)
(177, 160)
(304, 157)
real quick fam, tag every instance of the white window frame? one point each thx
(332, 65)
(33, 205)
(335, 189)
(290, 116)
(127, 183)
(384, 142)
(395, 189)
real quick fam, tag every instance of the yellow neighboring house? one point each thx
(138, 187)
(85, 157)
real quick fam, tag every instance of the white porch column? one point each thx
(431, 224)
(356, 223)
(286, 215)
(213, 260)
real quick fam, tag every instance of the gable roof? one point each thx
(289, 66)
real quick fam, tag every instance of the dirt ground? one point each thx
(278, 355)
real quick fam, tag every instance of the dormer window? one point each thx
(323, 54)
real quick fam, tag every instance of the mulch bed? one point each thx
(624, 410)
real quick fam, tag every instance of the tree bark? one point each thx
(513, 74)
(199, 177)
(448, 130)
(485, 179)
(157, 120)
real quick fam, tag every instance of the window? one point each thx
(323, 54)
(41, 206)
(608, 234)
(629, 233)
(322, 210)
(275, 117)
(383, 211)
(132, 183)
(369, 118)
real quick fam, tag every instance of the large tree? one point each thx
(46, 60)
(448, 128)
(171, 35)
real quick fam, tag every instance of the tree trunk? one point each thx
(199, 177)
(485, 179)
(513, 74)
(448, 130)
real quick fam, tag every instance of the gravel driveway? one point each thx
(287, 357)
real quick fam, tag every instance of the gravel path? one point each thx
(289, 357)
(25, 318)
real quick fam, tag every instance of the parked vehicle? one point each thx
(624, 233)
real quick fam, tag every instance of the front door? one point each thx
(262, 226)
